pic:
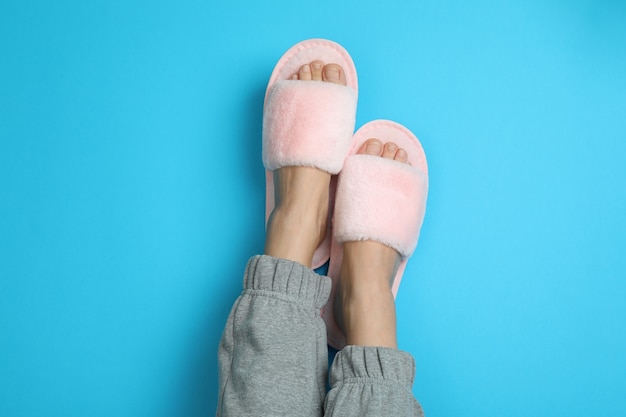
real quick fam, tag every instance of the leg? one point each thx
(370, 377)
(273, 353)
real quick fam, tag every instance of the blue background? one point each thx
(132, 194)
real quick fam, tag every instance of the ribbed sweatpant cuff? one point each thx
(358, 364)
(289, 278)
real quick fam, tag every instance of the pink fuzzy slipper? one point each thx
(377, 199)
(308, 123)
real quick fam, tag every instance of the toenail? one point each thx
(306, 68)
(317, 66)
(401, 154)
(392, 147)
(332, 74)
(373, 148)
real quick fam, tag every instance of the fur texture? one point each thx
(381, 200)
(308, 123)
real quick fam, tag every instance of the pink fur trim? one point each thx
(381, 200)
(308, 123)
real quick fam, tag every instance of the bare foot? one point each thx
(297, 225)
(364, 305)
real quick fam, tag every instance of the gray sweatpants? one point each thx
(273, 358)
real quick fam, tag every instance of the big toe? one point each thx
(371, 147)
(334, 73)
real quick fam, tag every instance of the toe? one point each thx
(316, 70)
(390, 149)
(401, 156)
(333, 73)
(305, 72)
(371, 147)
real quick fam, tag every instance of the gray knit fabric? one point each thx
(372, 382)
(273, 356)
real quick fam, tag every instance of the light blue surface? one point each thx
(132, 194)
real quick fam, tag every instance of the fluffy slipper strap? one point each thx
(380, 200)
(308, 123)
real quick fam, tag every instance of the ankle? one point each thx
(364, 302)
(301, 221)
(367, 264)
(297, 225)
(369, 317)
(294, 235)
